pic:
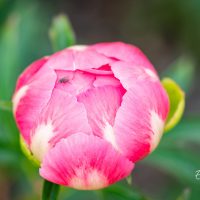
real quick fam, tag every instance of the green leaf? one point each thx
(186, 131)
(181, 164)
(177, 102)
(5, 105)
(9, 55)
(185, 195)
(120, 192)
(178, 156)
(8, 158)
(50, 191)
(61, 33)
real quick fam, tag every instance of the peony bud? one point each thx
(88, 113)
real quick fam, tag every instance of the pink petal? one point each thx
(30, 71)
(71, 59)
(84, 162)
(129, 72)
(102, 80)
(32, 97)
(74, 82)
(123, 52)
(140, 120)
(102, 104)
(62, 117)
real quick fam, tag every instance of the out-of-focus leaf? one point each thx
(178, 154)
(185, 195)
(188, 130)
(5, 7)
(8, 158)
(117, 191)
(180, 164)
(5, 105)
(61, 33)
(121, 192)
(182, 71)
(9, 56)
(177, 102)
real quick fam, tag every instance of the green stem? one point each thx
(50, 191)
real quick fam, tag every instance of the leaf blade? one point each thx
(61, 33)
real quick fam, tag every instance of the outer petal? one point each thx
(62, 117)
(123, 52)
(29, 72)
(84, 162)
(32, 97)
(72, 59)
(102, 104)
(129, 72)
(140, 120)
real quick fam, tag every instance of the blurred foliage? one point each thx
(182, 71)
(24, 38)
(61, 33)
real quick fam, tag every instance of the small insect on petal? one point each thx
(63, 80)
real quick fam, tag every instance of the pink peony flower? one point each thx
(88, 113)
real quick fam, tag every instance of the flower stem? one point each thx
(50, 191)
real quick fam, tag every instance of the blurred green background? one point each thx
(169, 34)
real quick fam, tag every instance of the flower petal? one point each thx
(31, 98)
(74, 82)
(123, 52)
(140, 120)
(30, 71)
(101, 105)
(62, 117)
(73, 59)
(84, 162)
(129, 72)
(102, 80)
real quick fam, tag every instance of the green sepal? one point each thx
(177, 103)
(28, 153)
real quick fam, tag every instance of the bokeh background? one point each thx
(169, 34)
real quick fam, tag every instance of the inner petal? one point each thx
(74, 82)
(101, 104)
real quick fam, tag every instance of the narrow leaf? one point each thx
(61, 33)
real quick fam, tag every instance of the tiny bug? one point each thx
(63, 80)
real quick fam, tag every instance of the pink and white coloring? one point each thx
(89, 113)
